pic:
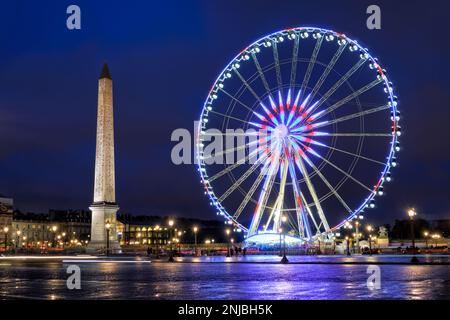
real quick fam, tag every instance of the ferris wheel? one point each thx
(331, 127)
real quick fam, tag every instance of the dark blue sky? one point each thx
(163, 57)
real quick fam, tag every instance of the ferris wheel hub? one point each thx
(281, 132)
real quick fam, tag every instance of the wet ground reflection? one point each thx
(160, 280)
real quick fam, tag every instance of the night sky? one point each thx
(163, 58)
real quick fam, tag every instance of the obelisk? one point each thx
(104, 207)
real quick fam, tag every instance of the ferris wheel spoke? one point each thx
(242, 178)
(311, 64)
(235, 99)
(302, 219)
(327, 183)
(294, 61)
(338, 169)
(310, 213)
(278, 207)
(327, 70)
(312, 191)
(261, 73)
(339, 83)
(233, 166)
(238, 119)
(277, 64)
(349, 117)
(249, 88)
(307, 140)
(263, 197)
(252, 190)
(355, 134)
(349, 98)
(241, 147)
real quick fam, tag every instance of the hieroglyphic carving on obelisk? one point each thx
(104, 208)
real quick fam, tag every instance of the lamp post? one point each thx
(412, 213)
(59, 239)
(280, 254)
(108, 227)
(348, 246)
(347, 240)
(228, 242)
(18, 232)
(5, 230)
(54, 228)
(63, 236)
(195, 240)
(370, 229)
(357, 236)
(284, 259)
(425, 234)
(348, 225)
(180, 233)
(171, 223)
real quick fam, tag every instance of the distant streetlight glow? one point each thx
(412, 213)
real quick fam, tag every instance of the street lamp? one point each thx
(426, 234)
(348, 225)
(195, 240)
(412, 213)
(370, 244)
(370, 229)
(228, 242)
(280, 230)
(347, 240)
(54, 228)
(5, 230)
(108, 227)
(171, 223)
(284, 259)
(18, 232)
(180, 233)
(63, 236)
(357, 236)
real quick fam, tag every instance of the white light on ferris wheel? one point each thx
(388, 177)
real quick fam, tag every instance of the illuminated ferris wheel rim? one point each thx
(303, 32)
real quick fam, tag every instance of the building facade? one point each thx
(57, 229)
(6, 211)
(136, 234)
